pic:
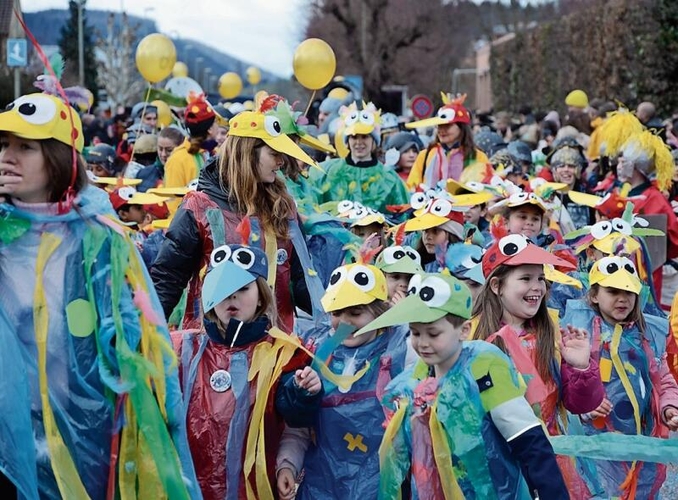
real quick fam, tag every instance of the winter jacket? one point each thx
(205, 221)
(432, 162)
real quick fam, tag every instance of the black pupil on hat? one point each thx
(398, 254)
(411, 255)
(510, 249)
(426, 293)
(362, 279)
(27, 109)
(276, 126)
(334, 278)
(219, 256)
(244, 258)
(611, 268)
(412, 290)
(605, 227)
(629, 268)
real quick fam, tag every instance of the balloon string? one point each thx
(68, 196)
(143, 112)
(310, 101)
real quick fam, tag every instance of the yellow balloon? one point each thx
(230, 85)
(155, 57)
(164, 113)
(253, 75)
(314, 63)
(179, 70)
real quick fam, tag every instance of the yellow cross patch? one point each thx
(355, 442)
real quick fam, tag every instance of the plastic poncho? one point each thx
(442, 432)
(233, 412)
(89, 379)
(375, 186)
(638, 384)
(343, 461)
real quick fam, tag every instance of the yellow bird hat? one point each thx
(354, 285)
(42, 116)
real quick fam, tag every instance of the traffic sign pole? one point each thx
(17, 83)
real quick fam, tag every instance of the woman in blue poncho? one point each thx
(90, 405)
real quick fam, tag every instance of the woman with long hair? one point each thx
(451, 151)
(89, 389)
(238, 188)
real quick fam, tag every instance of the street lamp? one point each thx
(81, 44)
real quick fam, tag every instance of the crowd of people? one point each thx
(241, 303)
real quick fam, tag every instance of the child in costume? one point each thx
(241, 378)
(511, 308)
(398, 263)
(241, 184)
(91, 405)
(459, 425)
(641, 394)
(452, 152)
(359, 175)
(342, 461)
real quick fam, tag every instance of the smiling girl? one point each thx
(511, 310)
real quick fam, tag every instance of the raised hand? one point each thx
(575, 347)
(308, 379)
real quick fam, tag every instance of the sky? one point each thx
(263, 33)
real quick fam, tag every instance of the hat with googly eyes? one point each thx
(615, 272)
(606, 235)
(358, 214)
(231, 268)
(399, 259)
(354, 285)
(517, 250)
(42, 116)
(429, 298)
(268, 128)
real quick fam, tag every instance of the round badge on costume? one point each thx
(281, 258)
(220, 381)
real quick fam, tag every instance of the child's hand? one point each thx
(397, 297)
(602, 411)
(575, 347)
(671, 417)
(308, 379)
(286, 484)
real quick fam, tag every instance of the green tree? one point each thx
(68, 45)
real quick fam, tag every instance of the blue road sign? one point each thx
(17, 52)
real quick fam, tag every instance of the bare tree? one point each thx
(117, 71)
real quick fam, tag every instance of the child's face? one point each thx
(222, 132)
(522, 293)
(431, 238)
(165, 148)
(438, 344)
(407, 159)
(241, 305)
(615, 305)
(136, 213)
(525, 220)
(473, 214)
(397, 282)
(357, 316)
(363, 232)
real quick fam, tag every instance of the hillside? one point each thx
(46, 26)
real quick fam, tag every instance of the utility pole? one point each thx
(81, 45)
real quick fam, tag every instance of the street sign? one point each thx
(422, 107)
(17, 52)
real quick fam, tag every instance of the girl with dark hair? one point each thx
(641, 395)
(511, 311)
(88, 380)
(452, 149)
(241, 184)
